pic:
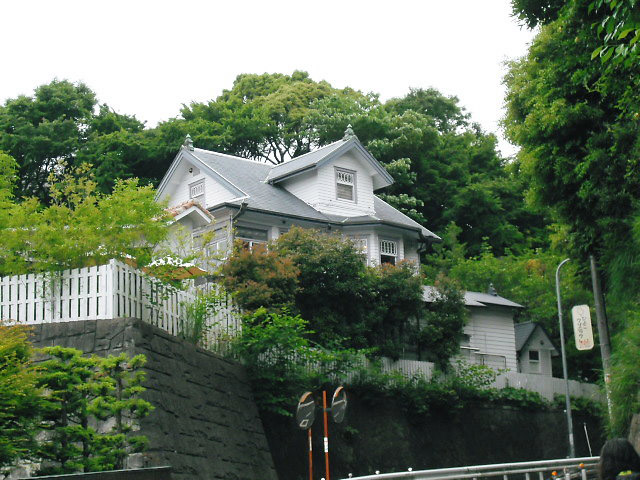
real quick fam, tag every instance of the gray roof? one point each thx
(303, 162)
(249, 179)
(472, 299)
(525, 330)
(248, 176)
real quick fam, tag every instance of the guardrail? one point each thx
(567, 468)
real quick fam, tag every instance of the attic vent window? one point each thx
(345, 184)
(388, 251)
(196, 189)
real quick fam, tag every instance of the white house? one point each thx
(535, 349)
(331, 189)
(490, 333)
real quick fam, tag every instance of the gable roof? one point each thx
(247, 180)
(471, 299)
(319, 157)
(524, 332)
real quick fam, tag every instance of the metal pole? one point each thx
(326, 434)
(310, 455)
(603, 329)
(572, 449)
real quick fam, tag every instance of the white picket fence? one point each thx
(114, 290)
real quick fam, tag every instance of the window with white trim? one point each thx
(534, 360)
(345, 185)
(361, 244)
(388, 251)
(251, 236)
(196, 189)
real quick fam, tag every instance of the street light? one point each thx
(572, 448)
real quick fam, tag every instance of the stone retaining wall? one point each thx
(205, 424)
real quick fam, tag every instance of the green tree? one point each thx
(441, 327)
(19, 396)
(42, 130)
(82, 226)
(119, 398)
(58, 124)
(260, 277)
(282, 361)
(69, 381)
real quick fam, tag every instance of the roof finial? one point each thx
(188, 143)
(348, 134)
(492, 290)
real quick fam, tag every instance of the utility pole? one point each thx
(572, 448)
(603, 328)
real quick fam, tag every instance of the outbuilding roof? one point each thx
(471, 299)
(525, 330)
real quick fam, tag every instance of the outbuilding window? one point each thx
(345, 184)
(534, 360)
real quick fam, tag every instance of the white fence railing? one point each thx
(546, 386)
(108, 291)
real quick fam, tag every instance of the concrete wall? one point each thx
(380, 433)
(205, 424)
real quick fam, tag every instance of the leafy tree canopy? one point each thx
(81, 227)
(324, 279)
(19, 395)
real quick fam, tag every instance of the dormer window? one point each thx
(345, 184)
(196, 189)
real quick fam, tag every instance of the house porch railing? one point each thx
(114, 290)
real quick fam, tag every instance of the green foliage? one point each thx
(58, 124)
(467, 385)
(440, 328)
(78, 391)
(69, 382)
(282, 362)
(120, 399)
(194, 327)
(19, 395)
(81, 227)
(528, 279)
(625, 378)
(572, 106)
(323, 278)
(620, 29)
(260, 277)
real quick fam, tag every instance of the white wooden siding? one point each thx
(326, 188)
(178, 190)
(540, 342)
(492, 334)
(304, 186)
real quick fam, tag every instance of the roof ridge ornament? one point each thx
(349, 134)
(492, 290)
(188, 143)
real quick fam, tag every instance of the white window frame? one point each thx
(388, 248)
(342, 178)
(249, 241)
(196, 189)
(534, 365)
(361, 244)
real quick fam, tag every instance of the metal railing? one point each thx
(561, 469)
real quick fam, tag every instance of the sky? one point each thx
(149, 57)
